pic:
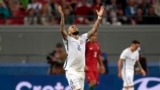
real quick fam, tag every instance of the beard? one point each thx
(75, 33)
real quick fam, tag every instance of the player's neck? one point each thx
(75, 36)
(132, 49)
(92, 41)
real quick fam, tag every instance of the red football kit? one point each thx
(92, 57)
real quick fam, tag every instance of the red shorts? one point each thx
(92, 75)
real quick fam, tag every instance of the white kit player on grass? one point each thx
(75, 48)
(126, 64)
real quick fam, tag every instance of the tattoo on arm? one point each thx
(94, 28)
(62, 28)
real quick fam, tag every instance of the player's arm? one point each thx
(62, 24)
(120, 61)
(141, 69)
(101, 65)
(98, 21)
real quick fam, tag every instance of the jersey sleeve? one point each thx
(123, 55)
(84, 36)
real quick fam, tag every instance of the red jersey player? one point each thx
(93, 62)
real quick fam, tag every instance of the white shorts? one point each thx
(75, 79)
(127, 76)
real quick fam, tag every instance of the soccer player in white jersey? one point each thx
(126, 62)
(75, 47)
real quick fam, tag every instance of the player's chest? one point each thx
(77, 41)
(132, 56)
(94, 47)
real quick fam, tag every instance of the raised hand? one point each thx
(101, 11)
(60, 10)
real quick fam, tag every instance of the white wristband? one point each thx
(99, 17)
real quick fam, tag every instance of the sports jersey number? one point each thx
(95, 54)
(79, 47)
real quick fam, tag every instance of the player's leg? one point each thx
(91, 78)
(131, 76)
(82, 79)
(94, 80)
(127, 77)
(73, 80)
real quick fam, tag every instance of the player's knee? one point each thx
(93, 83)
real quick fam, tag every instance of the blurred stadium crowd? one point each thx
(44, 12)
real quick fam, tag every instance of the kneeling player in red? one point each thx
(93, 62)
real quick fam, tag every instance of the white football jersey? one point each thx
(76, 52)
(129, 58)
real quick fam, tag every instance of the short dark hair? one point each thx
(135, 42)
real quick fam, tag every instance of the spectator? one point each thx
(33, 10)
(144, 5)
(17, 12)
(92, 14)
(56, 60)
(139, 16)
(130, 10)
(68, 12)
(121, 15)
(157, 8)
(69, 18)
(53, 6)
(111, 10)
(52, 61)
(73, 5)
(35, 5)
(46, 16)
(81, 11)
(4, 11)
(97, 4)
(151, 17)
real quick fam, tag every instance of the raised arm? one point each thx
(62, 24)
(98, 21)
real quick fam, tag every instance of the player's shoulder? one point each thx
(125, 50)
(84, 34)
(137, 51)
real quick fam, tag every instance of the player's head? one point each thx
(73, 30)
(93, 38)
(135, 45)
